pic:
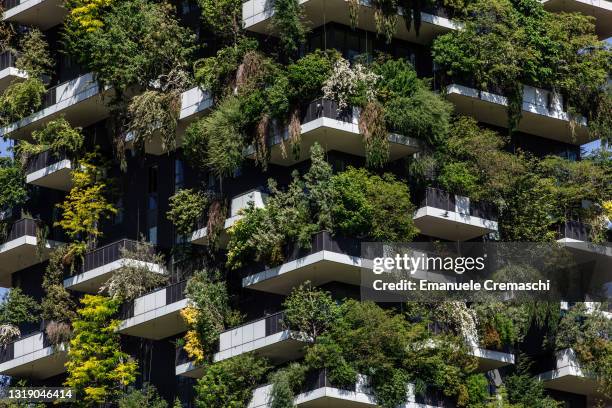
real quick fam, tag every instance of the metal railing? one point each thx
(320, 379)
(21, 228)
(326, 108)
(109, 253)
(321, 241)
(7, 352)
(44, 159)
(438, 198)
(7, 59)
(174, 292)
(9, 4)
(574, 230)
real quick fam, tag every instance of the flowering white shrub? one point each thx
(348, 82)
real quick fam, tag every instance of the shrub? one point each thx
(58, 332)
(286, 20)
(350, 86)
(187, 209)
(367, 205)
(34, 58)
(209, 313)
(16, 308)
(135, 279)
(58, 136)
(458, 178)
(230, 383)
(224, 17)
(20, 99)
(57, 305)
(217, 140)
(285, 382)
(145, 397)
(309, 312)
(12, 185)
(477, 390)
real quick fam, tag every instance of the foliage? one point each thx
(350, 86)
(375, 136)
(58, 332)
(477, 390)
(217, 140)
(17, 308)
(368, 205)
(411, 108)
(58, 136)
(309, 312)
(187, 209)
(127, 43)
(97, 368)
(506, 44)
(12, 186)
(224, 17)
(57, 305)
(145, 397)
(34, 58)
(20, 99)
(291, 31)
(86, 204)
(209, 313)
(230, 383)
(284, 384)
(154, 113)
(588, 333)
(287, 217)
(525, 391)
(501, 324)
(218, 73)
(134, 278)
(8, 333)
(87, 14)
(307, 76)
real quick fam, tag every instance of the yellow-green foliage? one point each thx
(85, 204)
(97, 368)
(87, 13)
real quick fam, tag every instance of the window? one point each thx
(179, 175)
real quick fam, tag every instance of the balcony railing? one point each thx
(174, 293)
(44, 159)
(7, 352)
(109, 253)
(326, 108)
(437, 198)
(321, 241)
(7, 60)
(574, 230)
(320, 379)
(9, 4)
(21, 228)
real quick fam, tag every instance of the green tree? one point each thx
(17, 308)
(309, 312)
(12, 184)
(145, 397)
(230, 383)
(187, 208)
(86, 204)
(97, 368)
(224, 17)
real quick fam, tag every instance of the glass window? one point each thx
(153, 235)
(179, 175)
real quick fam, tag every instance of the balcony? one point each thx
(600, 9)
(101, 263)
(330, 259)
(333, 129)
(543, 113)
(194, 102)
(21, 249)
(156, 315)
(40, 13)
(257, 17)
(51, 170)
(565, 374)
(491, 359)
(266, 337)
(319, 392)
(79, 100)
(239, 203)
(8, 72)
(576, 235)
(454, 217)
(32, 357)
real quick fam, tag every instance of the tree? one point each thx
(224, 17)
(139, 398)
(208, 315)
(187, 209)
(309, 312)
(12, 185)
(230, 383)
(97, 368)
(57, 305)
(86, 204)
(16, 308)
